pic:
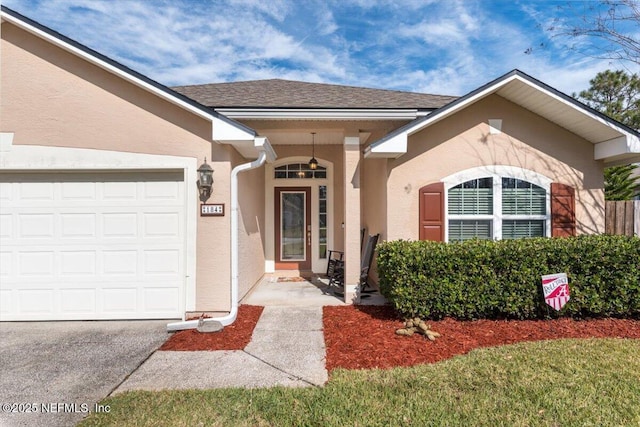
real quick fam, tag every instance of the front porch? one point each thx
(282, 289)
(310, 212)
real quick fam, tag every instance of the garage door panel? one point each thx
(6, 301)
(35, 191)
(78, 191)
(122, 302)
(6, 192)
(73, 263)
(78, 301)
(162, 262)
(6, 226)
(161, 191)
(78, 225)
(112, 248)
(161, 224)
(35, 301)
(115, 191)
(6, 264)
(120, 262)
(119, 300)
(36, 263)
(35, 225)
(120, 224)
(160, 299)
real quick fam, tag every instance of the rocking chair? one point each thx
(337, 278)
(335, 257)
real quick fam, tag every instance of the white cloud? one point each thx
(276, 9)
(571, 78)
(438, 47)
(326, 22)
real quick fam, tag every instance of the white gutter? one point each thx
(321, 113)
(231, 317)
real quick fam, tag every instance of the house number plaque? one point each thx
(212, 209)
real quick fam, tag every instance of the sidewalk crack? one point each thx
(294, 376)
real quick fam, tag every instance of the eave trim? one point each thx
(419, 124)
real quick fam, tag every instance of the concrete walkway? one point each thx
(286, 349)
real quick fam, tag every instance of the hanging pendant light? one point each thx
(313, 163)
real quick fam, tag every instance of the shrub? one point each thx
(502, 279)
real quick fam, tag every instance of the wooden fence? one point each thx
(622, 218)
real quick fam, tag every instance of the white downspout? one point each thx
(231, 317)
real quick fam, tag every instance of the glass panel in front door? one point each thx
(292, 233)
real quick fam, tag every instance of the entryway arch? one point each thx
(291, 188)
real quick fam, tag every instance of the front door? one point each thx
(293, 228)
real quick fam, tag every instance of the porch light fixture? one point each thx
(313, 163)
(205, 180)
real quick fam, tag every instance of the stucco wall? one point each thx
(374, 203)
(52, 98)
(374, 196)
(463, 141)
(251, 226)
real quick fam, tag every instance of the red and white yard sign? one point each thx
(556, 289)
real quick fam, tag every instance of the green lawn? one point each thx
(593, 382)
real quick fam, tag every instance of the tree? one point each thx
(616, 94)
(619, 184)
(611, 25)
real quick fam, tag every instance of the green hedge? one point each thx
(502, 279)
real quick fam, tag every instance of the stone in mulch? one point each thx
(363, 337)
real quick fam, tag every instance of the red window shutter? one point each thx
(563, 210)
(432, 212)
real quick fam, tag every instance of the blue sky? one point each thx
(435, 46)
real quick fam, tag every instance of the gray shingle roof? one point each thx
(277, 93)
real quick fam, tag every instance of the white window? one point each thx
(470, 209)
(497, 206)
(524, 209)
(322, 221)
(299, 171)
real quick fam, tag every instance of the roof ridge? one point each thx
(281, 93)
(302, 82)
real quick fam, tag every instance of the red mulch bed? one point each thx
(232, 337)
(363, 337)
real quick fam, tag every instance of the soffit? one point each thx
(303, 137)
(571, 117)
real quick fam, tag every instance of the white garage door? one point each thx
(77, 246)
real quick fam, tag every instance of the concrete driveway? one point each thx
(60, 370)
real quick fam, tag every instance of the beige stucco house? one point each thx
(102, 216)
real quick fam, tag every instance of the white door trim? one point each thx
(318, 265)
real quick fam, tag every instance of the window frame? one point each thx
(299, 171)
(497, 172)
